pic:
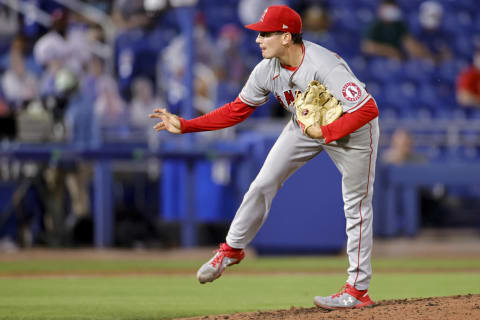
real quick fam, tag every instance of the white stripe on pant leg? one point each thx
(368, 237)
(360, 270)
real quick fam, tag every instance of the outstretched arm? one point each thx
(226, 116)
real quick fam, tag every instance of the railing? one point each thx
(426, 131)
(397, 197)
(103, 211)
(458, 130)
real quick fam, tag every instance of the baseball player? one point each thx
(289, 66)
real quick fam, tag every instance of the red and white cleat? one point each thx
(348, 297)
(224, 257)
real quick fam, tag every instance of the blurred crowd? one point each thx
(73, 75)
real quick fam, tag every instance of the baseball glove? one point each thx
(316, 104)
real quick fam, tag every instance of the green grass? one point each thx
(166, 296)
(299, 264)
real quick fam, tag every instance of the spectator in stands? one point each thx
(233, 65)
(316, 23)
(137, 44)
(431, 34)
(80, 117)
(432, 199)
(94, 76)
(143, 101)
(18, 84)
(468, 84)
(9, 25)
(109, 107)
(389, 36)
(172, 70)
(80, 124)
(59, 48)
(401, 150)
(249, 11)
(128, 14)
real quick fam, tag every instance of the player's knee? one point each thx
(266, 187)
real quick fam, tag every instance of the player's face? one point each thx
(270, 43)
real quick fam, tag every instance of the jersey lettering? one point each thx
(289, 97)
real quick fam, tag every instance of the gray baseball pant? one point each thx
(354, 156)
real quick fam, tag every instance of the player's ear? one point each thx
(286, 38)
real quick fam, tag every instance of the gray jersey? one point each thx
(318, 64)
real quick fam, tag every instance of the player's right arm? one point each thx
(228, 115)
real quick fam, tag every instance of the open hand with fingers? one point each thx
(168, 121)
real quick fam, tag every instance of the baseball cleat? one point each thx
(347, 297)
(224, 257)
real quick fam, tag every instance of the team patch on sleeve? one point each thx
(352, 92)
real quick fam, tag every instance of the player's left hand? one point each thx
(314, 131)
(169, 121)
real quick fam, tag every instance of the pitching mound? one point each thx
(456, 307)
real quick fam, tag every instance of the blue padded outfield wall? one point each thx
(306, 215)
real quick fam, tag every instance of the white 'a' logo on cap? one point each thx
(263, 15)
(284, 26)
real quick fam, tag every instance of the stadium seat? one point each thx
(359, 66)
(346, 19)
(365, 15)
(376, 90)
(428, 96)
(418, 71)
(401, 95)
(385, 70)
(465, 4)
(409, 5)
(448, 71)
(463, 46)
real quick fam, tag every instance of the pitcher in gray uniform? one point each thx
(351, 141)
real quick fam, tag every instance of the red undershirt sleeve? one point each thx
(350, 122)
(226, 116)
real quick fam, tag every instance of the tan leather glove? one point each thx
(316, 105)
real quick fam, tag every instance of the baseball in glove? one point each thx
(316, 104)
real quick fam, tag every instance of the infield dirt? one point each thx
(455, 307)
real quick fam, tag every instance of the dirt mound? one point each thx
(455, 307)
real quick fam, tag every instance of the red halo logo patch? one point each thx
(351, 91)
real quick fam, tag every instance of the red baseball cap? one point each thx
(278, 18)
